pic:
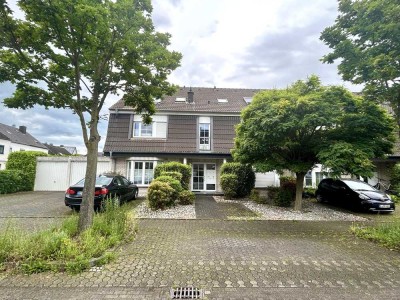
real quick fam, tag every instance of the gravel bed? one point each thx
(177, 212)
(311, 212)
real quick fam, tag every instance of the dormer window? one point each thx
(141, 129)
(247, 99)
(180, 100)
(222, 100)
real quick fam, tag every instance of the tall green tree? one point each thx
(366, 40)
(74, 53)
(295, 128)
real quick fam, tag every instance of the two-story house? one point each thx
(194, 126)
(16, 139)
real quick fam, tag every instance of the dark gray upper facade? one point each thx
(182, 136)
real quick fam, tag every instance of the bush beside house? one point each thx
(170, 186)
(245, 177)
(20, 172)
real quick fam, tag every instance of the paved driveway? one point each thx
(32, 210)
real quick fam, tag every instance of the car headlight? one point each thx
(363, 197)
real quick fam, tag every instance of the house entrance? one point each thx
(204, 177)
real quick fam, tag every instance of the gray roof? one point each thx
(205, 100)
(14, 135)
(57, 150)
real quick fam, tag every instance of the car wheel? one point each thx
(135, 194)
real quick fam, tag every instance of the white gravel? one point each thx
(311, 212)
(177, 212)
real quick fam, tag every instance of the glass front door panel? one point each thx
(198, 177)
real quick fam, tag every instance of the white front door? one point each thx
(204, 177)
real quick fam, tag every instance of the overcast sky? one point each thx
(225, 43)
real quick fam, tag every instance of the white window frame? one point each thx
(131, 171)
(143, 128)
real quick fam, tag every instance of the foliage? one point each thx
(174, 183)
(160, 195)
(245, 176)
(62, 246)
(73, 54)
(186, 197)
(395, 178)
(174, 166)
(25, 161)
(307, 121)
(386, 234)
(284, 198)
(175, 175)
(309, 192)
(255, 195)
(229, 183)
(12, 181)
(288, 183)
(364, 39)
(273, 193)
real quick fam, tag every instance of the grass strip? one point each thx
(62, 248)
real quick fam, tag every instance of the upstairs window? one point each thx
(204, 133)
(141, 129)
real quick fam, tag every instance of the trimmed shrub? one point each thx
(288, 183)
(186, 197)
(25, 161)
(273, 192)
(309, 192)
(175, 175)
(174, 166)
(246, 177)
(284, 198)
(229, 183)
(12, 181)
(174, 183)
(160, 195)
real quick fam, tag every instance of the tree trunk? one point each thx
(299, 190)
(87, 207)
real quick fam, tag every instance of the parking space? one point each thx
(32, 210)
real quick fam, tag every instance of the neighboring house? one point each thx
(57, 150)
(16, 139)
(195, 126)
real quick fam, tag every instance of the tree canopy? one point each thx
(74, 53)
(295, 128)
(366, 40)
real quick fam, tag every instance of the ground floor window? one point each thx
(141, 172)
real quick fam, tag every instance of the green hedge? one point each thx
(186, 197)
(229, 183)
(174, 166)
(246, 177)
(174, 183)
(12, 181)
(24, 161)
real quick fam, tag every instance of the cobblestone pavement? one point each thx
(32, 210)
(207, 208)
(229, 260)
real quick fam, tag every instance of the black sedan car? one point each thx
(107, 186)
(355, 194)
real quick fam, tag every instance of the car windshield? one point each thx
(99, 181)
(359, 186)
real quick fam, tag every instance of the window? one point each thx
(318, 177)
(204, 134)
(141, 172)
(308, 179)
(141, 129)
(1, 149)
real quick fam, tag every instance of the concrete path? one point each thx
(229, 260)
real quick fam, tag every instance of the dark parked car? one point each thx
(107, 186)
(355, 194)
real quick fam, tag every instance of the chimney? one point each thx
(22, 129)
(190, 96)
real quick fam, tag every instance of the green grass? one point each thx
(385, 234)
(62, 247)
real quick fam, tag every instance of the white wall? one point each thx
(8, 146)
(267, 179)
(58, 173)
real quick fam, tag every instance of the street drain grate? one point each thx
(187, 293)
